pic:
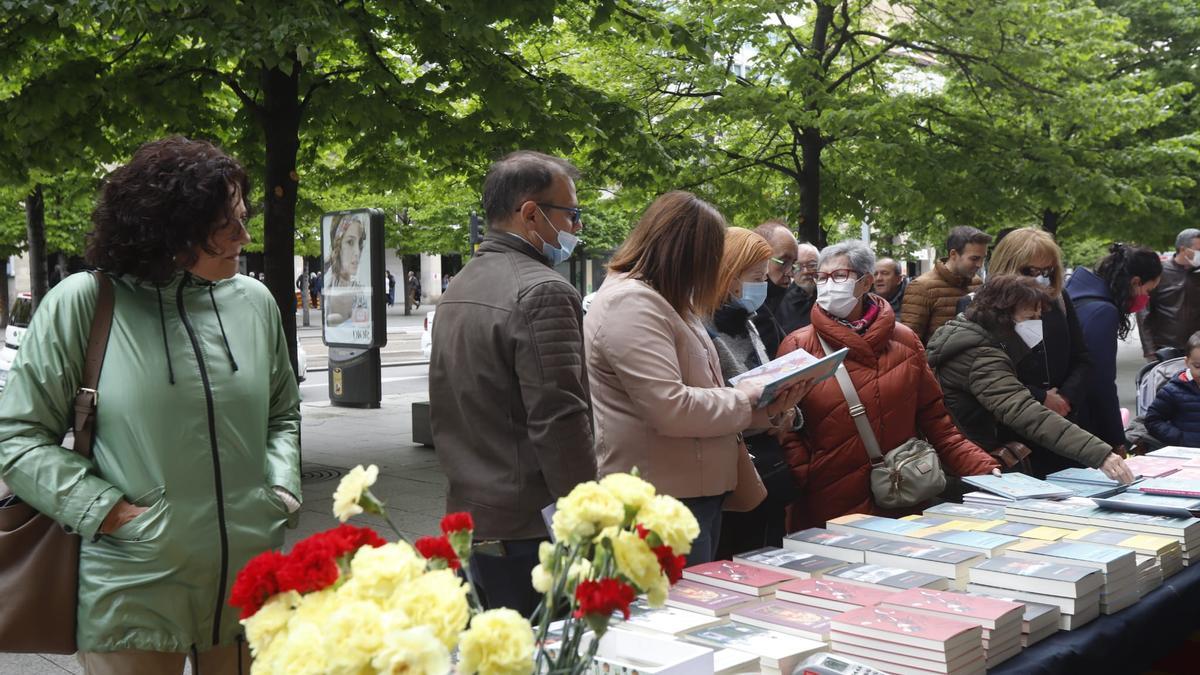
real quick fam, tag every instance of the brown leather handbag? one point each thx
(39, 560)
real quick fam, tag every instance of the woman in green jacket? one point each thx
(973, 355)
(195, 465)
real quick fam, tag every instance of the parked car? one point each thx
(427, 335)
(18, 323)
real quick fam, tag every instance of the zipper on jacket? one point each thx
(216, 458)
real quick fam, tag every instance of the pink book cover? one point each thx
(901, 622)
(988, 610)
(737, 573)
(707, 597)
(1154, 467)
(788, 614)
(839, 591)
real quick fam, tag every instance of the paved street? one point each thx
(410, 480)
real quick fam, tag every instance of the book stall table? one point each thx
(1129, 641)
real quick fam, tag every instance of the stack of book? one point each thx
(987, 544)
(787, 617)
(851, 548)
(1019, 530)
(793, 563)
(831, 594)
(706, 599)
(668, 620)
(1119, 567)
(916, 531)
(1154, 553)
(1087, 482)
(951, 563)
(1136, 501)
(733, 576)
(1173, 486)
(982, 498)
(905, 642)
(896, 578)
(874, 526)
(965, 512)
(1074, 589)
(1038, 621)
(1176, 452)
(1000, 619)
(1013, 486)
(777, 652)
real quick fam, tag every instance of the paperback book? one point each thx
(788, 617)
(791, 368)
(665, 620)
(951, 563)
(906, 627)
(794, 563)
(832, 594)
(989, 613)
(1038, 576)
(1171, 486)
(1153, 504)
(889, 577)
(1154, 467)
(848, 547)
(1082, 475)
(776, 651)
(965, 511)
(706, 599)
(748, 579)
(1016, 486)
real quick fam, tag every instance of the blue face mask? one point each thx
(754, 294)
(566, 244)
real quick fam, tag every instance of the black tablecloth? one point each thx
(1127, 642)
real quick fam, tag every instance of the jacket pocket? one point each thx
(147, 525)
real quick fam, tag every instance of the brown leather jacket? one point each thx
(902, 400)
(932, 299)
(508, 390)
(1174, 311)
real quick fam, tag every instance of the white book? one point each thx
(1064, 605)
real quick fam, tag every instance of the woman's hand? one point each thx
(1115, 468)
(788, 398)
(752, 390)
(122, 512)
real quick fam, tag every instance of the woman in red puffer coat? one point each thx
(901, 396)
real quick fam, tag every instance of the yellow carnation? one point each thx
(375, 573)
(631, 490)
(656, 595)
(671, 521)
(270, 620)
(437, 599)
(413, 651)
(634, 558)
(542, 579)
(300, 651)
(354, 631)
(587, 510)
(350, 491)
(499, 642)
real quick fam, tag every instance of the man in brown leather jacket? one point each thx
(508, 389)
(932, 298)
(1174, 310)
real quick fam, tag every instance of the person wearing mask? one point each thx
(890, 282)
(780, 268)
(970, 355)
(195, 465)
(1174, 311)
(795, 308)
(1054, 363)
(743, 275)
(901, 397)
(1174, 416)
(1103, 301)
(508, 391)
(660, 400)
(932, 298)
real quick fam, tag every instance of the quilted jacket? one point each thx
(1174, 417)
(932, 299)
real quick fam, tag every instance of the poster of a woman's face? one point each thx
(346, 300)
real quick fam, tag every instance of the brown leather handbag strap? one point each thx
(86, 399)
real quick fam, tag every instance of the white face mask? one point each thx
(838, 298)
(1195, 258)
(1043, 281)
(1030, 332)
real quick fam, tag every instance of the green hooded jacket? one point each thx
(982, 392)
(198, 417)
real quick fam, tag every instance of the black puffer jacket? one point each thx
(983, 394)
(1174, 417)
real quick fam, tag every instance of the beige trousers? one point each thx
(225, 660)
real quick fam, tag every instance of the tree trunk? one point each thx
(810, 229)
(281, 127)
(1051, 220)
(35, 229)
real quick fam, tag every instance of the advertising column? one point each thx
(353, 305)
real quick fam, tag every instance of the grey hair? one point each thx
(895, 265)
(861, 257)
(517, 177)
(1185, 238)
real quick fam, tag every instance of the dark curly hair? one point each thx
(1117, 270)
(1003, 294)
(153, 212)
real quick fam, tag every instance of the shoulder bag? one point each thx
(39, 560)
(907, 475)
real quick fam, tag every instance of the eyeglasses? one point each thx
(787, 265)
(1038, 271)
(575, 212)
(838, 276)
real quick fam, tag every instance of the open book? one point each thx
(790, 369)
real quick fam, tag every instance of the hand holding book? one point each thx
(1114, 467)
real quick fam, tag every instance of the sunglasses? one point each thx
(575, 212)
(1038, 271)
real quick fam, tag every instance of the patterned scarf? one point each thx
(860, 326)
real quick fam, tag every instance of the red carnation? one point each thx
(672, 565)
(438, 547)
(602, 598)
(311, 566)
(256, 583)
(348, 539)
(642, 531)
(457, 522)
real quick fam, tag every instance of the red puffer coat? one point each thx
(902, 397)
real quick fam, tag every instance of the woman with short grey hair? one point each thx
(887, 366)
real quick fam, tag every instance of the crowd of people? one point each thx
(996, 360)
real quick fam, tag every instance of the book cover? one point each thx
(748, 576)
(789, 369)
(1154, 467)
(797, 618)
(1159, 545)
(1154, 504)
(1025, 530)
(1180, 487)
(1073, 506)
(706, 598)
(881, 575)
(1087, 489)
(861, 521)
(966, 511)
(952, 556)
(1039, 569)
(1076, 550)
(1169, 522)
(788, 560)
(903, 623)
(667, 620)
(980, 540)
(761, 641)
(1015, 486)
(991, 611)
(822, 537)
(837, 591)
(1082, 475)
(1176, 451)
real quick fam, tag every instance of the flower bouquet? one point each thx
(347, 601)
